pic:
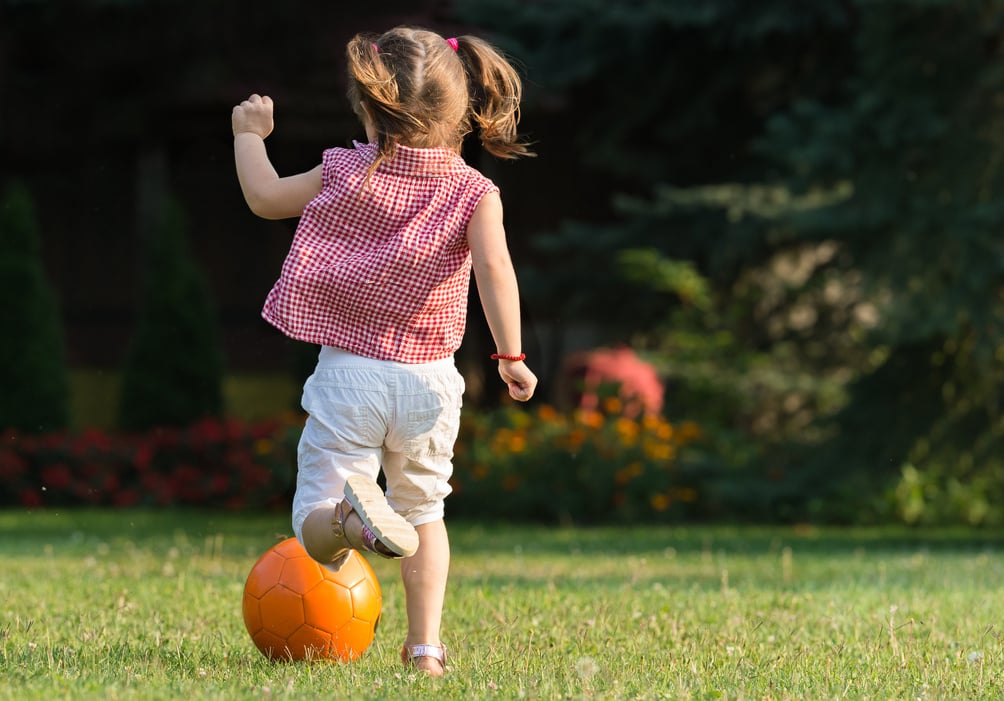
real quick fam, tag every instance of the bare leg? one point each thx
(319, 537)
(424, 575)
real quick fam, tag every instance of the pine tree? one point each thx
(33, 373)
(174, 367)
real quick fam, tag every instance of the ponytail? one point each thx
(373, 83)
(495, 91)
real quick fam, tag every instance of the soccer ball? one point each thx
(296, 608)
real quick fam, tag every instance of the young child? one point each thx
(378, 275)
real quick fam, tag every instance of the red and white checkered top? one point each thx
(382, 271)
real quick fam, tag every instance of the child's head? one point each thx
(420, 90)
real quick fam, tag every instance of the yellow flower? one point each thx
(613, 405)
(689, 431)
(664, 431)
(685, 494)
(658, 451)
(627, 430)
(263, 446)
(659, 502)
(501, 440)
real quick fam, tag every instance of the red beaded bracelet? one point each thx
(503, 356)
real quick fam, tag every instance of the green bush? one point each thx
(173, 372)
(33, 373)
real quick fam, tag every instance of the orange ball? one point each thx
(296, 608)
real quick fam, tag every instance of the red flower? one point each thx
(126, 497)
(143, 456)
(57, 477)
(30, 498)
(12, 465)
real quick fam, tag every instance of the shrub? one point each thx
(173, 371)
(33, 374)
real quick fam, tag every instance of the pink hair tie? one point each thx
(376, 48)
(454, 44)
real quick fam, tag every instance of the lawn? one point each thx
(146, 605)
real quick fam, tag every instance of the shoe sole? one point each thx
(390, 528)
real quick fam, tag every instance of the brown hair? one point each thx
(421, 93)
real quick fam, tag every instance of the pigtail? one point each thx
(374, 82)
(495, 90)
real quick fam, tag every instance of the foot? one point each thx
(368, 523)
(430, 659)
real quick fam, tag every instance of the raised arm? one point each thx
(268, 195)
(499, 293)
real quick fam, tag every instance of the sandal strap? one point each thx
(342, 511)
(368, 540)
(436, 652)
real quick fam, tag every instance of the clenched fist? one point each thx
(254, 116)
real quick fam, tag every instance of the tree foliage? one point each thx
(919, 140)
(33, 372)
(173, 371)
(833, 170)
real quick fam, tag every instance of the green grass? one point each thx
(146, 605)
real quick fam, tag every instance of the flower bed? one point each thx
(214, 463)
(584, 466)
(538, 464)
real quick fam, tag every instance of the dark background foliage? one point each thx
(793, 209)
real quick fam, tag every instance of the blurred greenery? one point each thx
(792, 209)
(33, 373)
(833, 173)
(173, 372)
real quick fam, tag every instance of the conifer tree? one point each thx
(174, 367)
(33, 373)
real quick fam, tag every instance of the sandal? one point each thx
(411, 653)
(384, 531)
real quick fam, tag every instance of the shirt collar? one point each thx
(415, 162)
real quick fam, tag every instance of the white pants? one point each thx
(364, 414)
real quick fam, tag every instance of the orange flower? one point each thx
(576, 438)
(628, 473)
(659, 502)
(547, 413)
(511, 482)
(592, 419)
(517, 443)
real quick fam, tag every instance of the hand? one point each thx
(254, 116)
(521, 381)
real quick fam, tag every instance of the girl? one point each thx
(378, 275)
